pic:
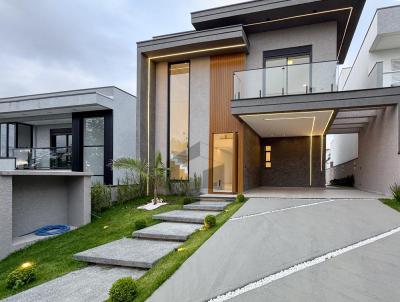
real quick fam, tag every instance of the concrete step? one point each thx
(185, 216)
(212, 198)
(138, 253)
(175, 231)
(207, 206)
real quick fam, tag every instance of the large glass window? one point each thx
(179, 121)
(93, 147)
(223, 162)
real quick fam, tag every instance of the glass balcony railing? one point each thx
(42, 158)
(316, 77)
(391, 79)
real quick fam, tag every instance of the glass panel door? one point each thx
(287, 75)
(275, 76)
(224, 163)
(298, 74)
(3, 140)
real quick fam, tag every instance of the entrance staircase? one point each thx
(149, 245)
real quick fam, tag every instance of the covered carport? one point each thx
(371, 113)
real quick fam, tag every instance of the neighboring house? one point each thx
(79, 130)
(371, 154)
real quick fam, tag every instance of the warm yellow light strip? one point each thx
(197, 51)
(311, 146)
(345, 31)
(148, 125)
(148, 90)
(312, 14)
(288, 113)
(322, 149)
(287, 118)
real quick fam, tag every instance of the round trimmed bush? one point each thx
(123, 290)
(210, 221)
(240, 198)
(140, 224)
(187, 200)
(20, 277)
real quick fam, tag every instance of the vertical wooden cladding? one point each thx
(221, 119)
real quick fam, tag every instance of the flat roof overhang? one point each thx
(318, 101)
(192, 44)
(51, 107)
(352, 110)
(263, 15)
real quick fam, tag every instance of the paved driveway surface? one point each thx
(269, 235)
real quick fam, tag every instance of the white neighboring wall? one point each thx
(378, 164)
(347, 145)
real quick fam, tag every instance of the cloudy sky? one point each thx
(49, 45)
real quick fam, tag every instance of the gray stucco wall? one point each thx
(378, 159)
(341, 171)
(199, 119)
(322, 37)
(5, 216)
(41, 134)
(124, 128)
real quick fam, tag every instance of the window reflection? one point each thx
(179, 121)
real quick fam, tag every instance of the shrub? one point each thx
(140, 224)
(101, 197)
(123, 290)
(210, 221)
(21, 276)
(187, 200)
(127, 190)
(240, 198)
(347, 181)
(395, 189)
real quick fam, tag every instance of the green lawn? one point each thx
(392, 203)
(53, 257)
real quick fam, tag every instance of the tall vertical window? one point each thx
(179, 121)
(93, 147)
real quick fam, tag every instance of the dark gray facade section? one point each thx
(290, 158)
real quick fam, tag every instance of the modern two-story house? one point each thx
(247, 98)
(80, 130)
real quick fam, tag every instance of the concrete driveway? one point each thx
(271, 237)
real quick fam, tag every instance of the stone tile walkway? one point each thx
(127, 257)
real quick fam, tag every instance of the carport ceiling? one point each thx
(353, 120)
(291, 124)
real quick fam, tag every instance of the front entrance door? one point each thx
(224, 163)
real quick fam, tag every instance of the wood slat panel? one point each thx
(221, 118)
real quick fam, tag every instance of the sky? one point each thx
(49, 45)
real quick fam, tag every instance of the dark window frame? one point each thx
(15, 136)
(77, 141)
(169, 120)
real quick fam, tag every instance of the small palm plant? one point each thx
(137, 168)
(156, 176)
(154, 173)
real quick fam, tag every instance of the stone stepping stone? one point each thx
(90, 284)
(217, 199)
(168, 231)
(185, 216)
(207, 205)
(127, 252)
